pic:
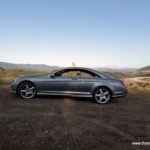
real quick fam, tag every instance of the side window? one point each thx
(68, 74)
(86, 75)
(75, 74)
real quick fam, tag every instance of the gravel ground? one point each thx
(49, 123)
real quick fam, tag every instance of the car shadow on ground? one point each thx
(58, 97)
(81, 99)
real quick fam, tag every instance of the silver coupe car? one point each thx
(72, 81)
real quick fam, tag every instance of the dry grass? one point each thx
(138, 89)
(120, 74)
(146, 79)
(7, 75)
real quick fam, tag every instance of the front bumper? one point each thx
(13, 88)
(13, 92)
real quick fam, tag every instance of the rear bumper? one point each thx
(120, 94)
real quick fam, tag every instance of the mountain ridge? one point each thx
(11, 66)
(147, 68)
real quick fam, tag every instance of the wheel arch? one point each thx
(24, 81)
(104, 86)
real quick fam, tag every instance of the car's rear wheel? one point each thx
(27, 90)
(102, 95)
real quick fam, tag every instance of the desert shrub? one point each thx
(146, 79)
(131, 84)
(143, 84)
(1, 81)
(119, 74)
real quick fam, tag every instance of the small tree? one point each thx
(1, 68)
(73, 64)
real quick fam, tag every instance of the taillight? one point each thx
(122, 82)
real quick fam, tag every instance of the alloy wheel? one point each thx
(102, 95)
(27, 90)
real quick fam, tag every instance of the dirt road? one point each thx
(49, 123)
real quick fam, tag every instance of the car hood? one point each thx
(32, 76)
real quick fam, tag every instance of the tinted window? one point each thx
(67, 74)
(86, 75)
(76, 73)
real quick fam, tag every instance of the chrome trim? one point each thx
(65, 94)
(118, 92)
(119, 95)
(11, 91)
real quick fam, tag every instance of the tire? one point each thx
(102, 95)
(27, 90)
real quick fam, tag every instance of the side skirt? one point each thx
(72, 94)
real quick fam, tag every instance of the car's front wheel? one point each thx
(102, 95)
(27, 90)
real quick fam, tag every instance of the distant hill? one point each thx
(123, 70)
(6, 65)
(41, 67)
(145, 69)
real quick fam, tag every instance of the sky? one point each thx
(93, 33)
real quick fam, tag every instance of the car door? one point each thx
(87, 81)
(64, 83)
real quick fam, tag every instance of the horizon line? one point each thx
(109, 67)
